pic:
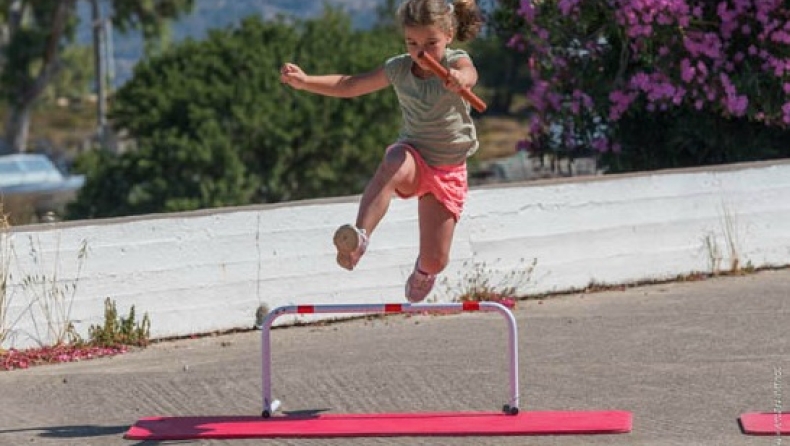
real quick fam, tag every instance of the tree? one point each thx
(654, 84)
(33, 36)
(168, 173)
(501, 67)
(74, 79)
(386, 12)
(215, 127)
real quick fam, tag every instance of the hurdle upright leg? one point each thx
(270, 405)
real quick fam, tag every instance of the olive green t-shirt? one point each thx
(436, 121)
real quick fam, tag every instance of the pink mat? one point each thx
(766, 423)
(382, 425)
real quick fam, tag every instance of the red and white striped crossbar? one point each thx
(270, 405)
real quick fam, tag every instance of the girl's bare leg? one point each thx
(397, 172)
(437, 227)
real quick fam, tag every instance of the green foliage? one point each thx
(215, 127)
(30, 28)
(168, 173)
(386, 13)
(118, 330)
(152, 15)
(75, 77)
(32, 24)
(33, 35)
(686, 138)
(501, 67)
(151, 18)
(502, 72)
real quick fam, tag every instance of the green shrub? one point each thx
(119, 330)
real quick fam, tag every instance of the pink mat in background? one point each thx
(766, 423)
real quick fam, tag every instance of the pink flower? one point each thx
(527, 10)
(568, 6)
(737, 104)
(620, 103)
(702, 69)
(600, 144)
(687, 72)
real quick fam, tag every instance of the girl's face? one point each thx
(431, 39)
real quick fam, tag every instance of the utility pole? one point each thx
(101, 90)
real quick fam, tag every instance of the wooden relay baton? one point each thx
(443, 73)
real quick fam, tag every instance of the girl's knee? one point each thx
(395, 160)
(397, 166)
(395, 155)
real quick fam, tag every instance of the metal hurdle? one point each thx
(271, 405)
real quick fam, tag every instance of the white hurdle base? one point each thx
(270, 405)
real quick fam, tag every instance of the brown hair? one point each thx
(461, 16)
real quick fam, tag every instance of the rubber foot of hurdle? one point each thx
(766, 423)
(382, 425)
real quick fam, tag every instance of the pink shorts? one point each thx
(447, 183)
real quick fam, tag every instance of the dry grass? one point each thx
(64, 128)
(5, 263)
(498, 136)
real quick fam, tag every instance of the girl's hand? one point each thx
(455, 80)
(291, 74)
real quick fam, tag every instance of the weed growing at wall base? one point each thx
(5, 274)
(113, 337)
(119, 330)
(716, 254)
(482, 282)
(53, 296)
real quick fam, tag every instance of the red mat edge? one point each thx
(765, 423)
(624, 422)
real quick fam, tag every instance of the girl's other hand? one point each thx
(291, 74)
(454, 81)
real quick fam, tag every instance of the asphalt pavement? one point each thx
(685, 358)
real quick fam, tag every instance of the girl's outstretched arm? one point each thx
(337, 85)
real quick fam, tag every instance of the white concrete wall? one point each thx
(210, 270)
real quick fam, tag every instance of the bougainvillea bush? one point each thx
(658, 83)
